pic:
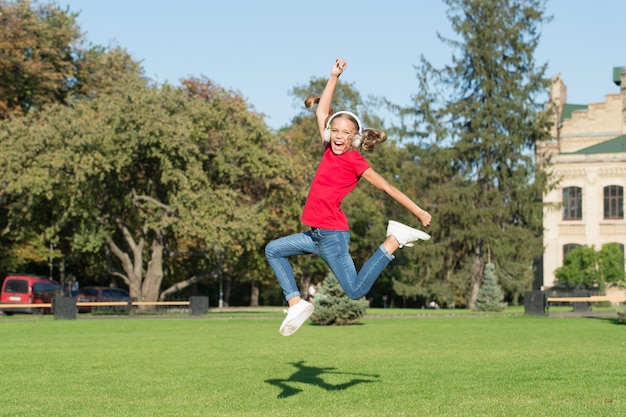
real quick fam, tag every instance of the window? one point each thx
(90, 292)
(614, 202)
(16, 286)
(568, 248)
(572, 203)
(114, 294)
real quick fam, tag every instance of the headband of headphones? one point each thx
(356, 141)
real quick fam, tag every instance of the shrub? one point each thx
(334, 307)
(490, 296)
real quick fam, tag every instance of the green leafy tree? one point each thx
(580, 268)
(44, 62)
(611, 263)
(36, 63)
(585, 267)
(490, 296)
(104, 166)
(45, 59)
(244, 157)
(143, 172)
(334, 307)
(477, 125)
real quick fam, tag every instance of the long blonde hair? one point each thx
(370, 137)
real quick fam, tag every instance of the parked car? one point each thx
(28, 289)
(101, 294)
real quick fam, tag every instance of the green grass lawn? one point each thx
(412, 365)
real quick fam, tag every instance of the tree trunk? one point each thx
(254, 294)
(227, 284)
(154, 274)
(477, 275)
(132, 275)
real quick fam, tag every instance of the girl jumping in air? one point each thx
(338, 173)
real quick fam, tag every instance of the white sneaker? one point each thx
(296, 316)
(404, 234)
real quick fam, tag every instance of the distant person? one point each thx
(312, 290)
(339, 171)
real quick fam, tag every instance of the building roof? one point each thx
(569, 108)
(615, 145)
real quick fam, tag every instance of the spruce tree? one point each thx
(478, 123)
(490, 296)
(334, 307)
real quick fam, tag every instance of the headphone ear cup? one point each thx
(327, 135)
(356, 142)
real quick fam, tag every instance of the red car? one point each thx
(28, 289)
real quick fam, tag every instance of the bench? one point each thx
(585, 302)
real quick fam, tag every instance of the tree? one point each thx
(244, 157)
(490, 296)
(44, 62)
(585, 267)
(580, 268)
(478, 125)
(144, 171)
(611, 262)
(334, 307)
(37, 62)
(154, 179)
(44, 59)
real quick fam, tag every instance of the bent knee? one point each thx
(354, 295)
(270, 249)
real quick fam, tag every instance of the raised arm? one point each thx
(324, 105)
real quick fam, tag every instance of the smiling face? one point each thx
(342, 132)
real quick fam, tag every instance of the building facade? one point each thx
(588, 161)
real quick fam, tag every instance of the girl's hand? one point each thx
(425, 218)
(339, 67)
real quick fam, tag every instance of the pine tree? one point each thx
(490, 296)
(334, 307)
(478, 124)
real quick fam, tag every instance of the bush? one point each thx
(490, 296)
(334, 307)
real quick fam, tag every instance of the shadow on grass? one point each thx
(315, 376)
(612, 320)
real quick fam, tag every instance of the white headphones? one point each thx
(356, 141)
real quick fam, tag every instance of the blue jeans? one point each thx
(333, 247)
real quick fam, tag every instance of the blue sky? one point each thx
(264, 48)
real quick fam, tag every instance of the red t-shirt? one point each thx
(335, 177)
